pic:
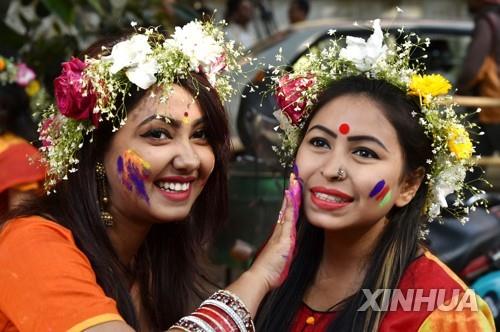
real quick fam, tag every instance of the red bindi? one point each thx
(186, 114)
(344, 129)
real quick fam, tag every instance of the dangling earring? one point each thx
(106, 217)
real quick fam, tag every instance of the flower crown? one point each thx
(25, 77)
(92, 90)
(374, 58)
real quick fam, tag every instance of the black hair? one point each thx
(169, 266)
(15, 112)
(399, 242)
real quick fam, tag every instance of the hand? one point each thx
(273, 262)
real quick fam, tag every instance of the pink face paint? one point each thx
(294, 196)
(344, 129)
(133, 171)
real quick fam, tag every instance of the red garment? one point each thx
(309, 320)
(426, 273)
(20, 166)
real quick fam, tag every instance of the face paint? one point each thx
(133, 170)
(294, 197)
(186, 119)
(381, 193)
(344, 129)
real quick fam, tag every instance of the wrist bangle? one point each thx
(222, 312)
(237, 309)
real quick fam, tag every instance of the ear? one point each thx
(409, 187)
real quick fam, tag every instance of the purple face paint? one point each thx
(377, 189)
(133, 171)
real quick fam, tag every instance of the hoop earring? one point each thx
(106, 217)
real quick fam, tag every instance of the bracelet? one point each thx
(236, 306)
(193, 324)
(222, 312)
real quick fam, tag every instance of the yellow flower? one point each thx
(428, 85)
(459, 142)
(2, 64)
(32, 88)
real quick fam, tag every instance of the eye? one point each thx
(200, 134)
(157, 134)
(365, 153)
(319, 142)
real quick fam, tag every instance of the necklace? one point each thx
(311, 319)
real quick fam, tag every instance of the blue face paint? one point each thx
(133, 171)
(377, 189)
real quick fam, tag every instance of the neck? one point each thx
(346, 252)
(127, 236)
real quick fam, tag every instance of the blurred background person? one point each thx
(239, 14)
(21, 174)
(298, 11)
(480, 74)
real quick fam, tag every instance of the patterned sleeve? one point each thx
(46, 282)
(465, 312)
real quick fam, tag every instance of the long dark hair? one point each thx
(399, 242)
(169, 264)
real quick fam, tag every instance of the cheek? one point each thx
(133, 172)
(305, 165)
(207, 161)
(380, 192)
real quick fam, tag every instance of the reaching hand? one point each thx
(273, 262)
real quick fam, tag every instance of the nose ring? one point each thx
(341, 174)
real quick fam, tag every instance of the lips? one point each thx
(330, 199)
(175, 188)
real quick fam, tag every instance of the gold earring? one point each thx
(106, 217)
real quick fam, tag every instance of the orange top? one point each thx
(46, 282)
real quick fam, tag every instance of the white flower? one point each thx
(143, 75)
(447, 182)
(364, 54)
(200, 47)
(132, 54)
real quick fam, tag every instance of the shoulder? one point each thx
(38, 243)
(428, 292)
(429, 272)
(33, 229)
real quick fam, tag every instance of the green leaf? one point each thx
(62, 8)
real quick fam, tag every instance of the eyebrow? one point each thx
(350, 138)
(170, 121)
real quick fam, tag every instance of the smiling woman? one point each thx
(376, 155)
(136, 151)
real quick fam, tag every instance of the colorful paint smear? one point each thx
(293, 198)
(382, 193)
(133, 171)
(344, 129)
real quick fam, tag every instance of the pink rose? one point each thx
(290, 98)
(24, 75)
(72, 99)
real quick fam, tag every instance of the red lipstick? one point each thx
(177, 196)
(330, 205)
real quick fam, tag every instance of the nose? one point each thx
(333, 168)
(186, 159)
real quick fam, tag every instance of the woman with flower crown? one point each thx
(377, 147)
(136, 152)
